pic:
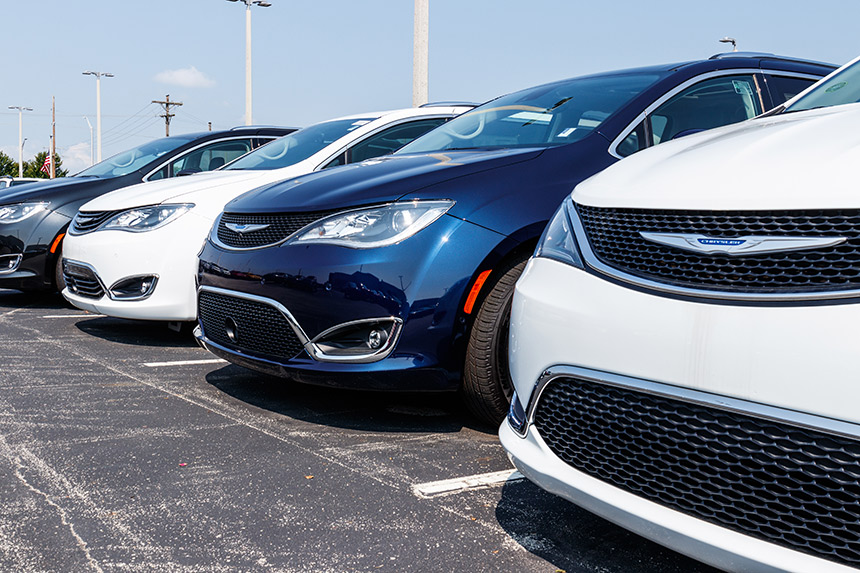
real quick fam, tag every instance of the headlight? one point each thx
(145, 218)
(20, 211)
(374, 227)
(558, 242)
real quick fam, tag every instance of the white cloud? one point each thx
(186, 77)
(76, 157)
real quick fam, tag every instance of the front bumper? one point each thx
(698, 539)
(420, 282)
(790, 365)
(32, 239)
(168, 253)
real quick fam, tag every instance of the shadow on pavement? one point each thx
(11, 299)
(135, 332)
(572, 539)
(351, 409)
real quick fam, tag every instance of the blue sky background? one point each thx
(314, 60)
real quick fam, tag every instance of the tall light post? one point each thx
(21, 139)
(248, 3)
(420, 53)
(91, 139)
(98, 76)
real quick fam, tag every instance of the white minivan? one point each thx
(684, 343)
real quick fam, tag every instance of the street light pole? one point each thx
(98, 76)
(420, 55)
(21, 139)
(248, 3)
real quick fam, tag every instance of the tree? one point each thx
(33, 168)
(8, 166)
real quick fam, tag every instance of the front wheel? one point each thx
(487, 384)
(59, 279)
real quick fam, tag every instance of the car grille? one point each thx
(259, 328)
(791, 486)
(87, 221)
(279, 227)
(82, 281)
(613, 235)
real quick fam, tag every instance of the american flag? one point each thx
(46, 166)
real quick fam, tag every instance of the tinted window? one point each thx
(783, 88)
(298, 145)
(708, 104)
(547, 115)
(136, 158)
(206, 158)
(391, 139)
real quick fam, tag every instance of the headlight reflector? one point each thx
(143, 219)
(374, 227)
(20, 211)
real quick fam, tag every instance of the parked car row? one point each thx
(641, 359)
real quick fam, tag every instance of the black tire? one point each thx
(59, 281)
(487, 386)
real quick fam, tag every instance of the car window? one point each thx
(386, 141)
(205, 158)
(135, 158)
(841, 88)
(783, 88)
(552, 114)
(705, 105)
(299, 145)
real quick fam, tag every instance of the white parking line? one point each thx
(87, 315)
(183, 363)
(456, 485)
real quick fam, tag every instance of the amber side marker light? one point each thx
(473, 294)
(57, 242)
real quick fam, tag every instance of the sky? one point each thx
(316, 60)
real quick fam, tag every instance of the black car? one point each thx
(34, 217)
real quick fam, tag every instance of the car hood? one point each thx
(374, 181)
(45, 191)
(799, 160)
(170, 190)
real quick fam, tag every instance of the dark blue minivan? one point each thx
(397, 273)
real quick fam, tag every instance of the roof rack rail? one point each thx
(449, 103)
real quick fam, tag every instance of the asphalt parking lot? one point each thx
(125, 447)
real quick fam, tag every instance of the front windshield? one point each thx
(843, 87)
(297, 146)
(553, 114)
(133, 159)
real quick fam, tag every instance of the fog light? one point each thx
(134, 288)
(8, 263)
(358, 341)
(376, 338)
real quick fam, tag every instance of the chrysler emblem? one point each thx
(242, 229)
(735, 246)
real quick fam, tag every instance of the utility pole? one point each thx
(53, 150)
(21, 139)
(166, 105)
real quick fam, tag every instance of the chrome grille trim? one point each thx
(88, 221)
(592, 261)
(82, 280)
(278, 228)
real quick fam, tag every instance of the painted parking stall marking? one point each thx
(456, 485)
(184, 363)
